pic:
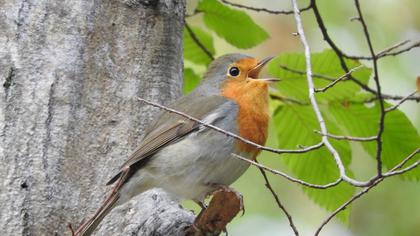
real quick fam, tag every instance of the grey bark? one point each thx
(70, 72)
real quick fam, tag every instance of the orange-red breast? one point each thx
(187, 159)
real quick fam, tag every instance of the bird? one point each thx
(185, 158)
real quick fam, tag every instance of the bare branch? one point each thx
(388, 51)
(345, 76)
(402, 171)
(340, 54)
(198, 42)
(350, 138)
(414, 45)
(409, 157)
(395, 171)
(195, 12)
(314, 103)
(393, 97)
(400, 102)
(329, 78)
(374, 182)
(257, 9)
(292, 179)
(300, 72)
(279, 204)
(287, 99)
(378, 90)
(260, 147)
(344, 206)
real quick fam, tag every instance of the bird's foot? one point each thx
(202, 204)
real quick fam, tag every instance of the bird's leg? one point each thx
(195, 228)
(203, 209)
(111, 196)
(201, 204)
(71, 229)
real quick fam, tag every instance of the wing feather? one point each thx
(170, 127)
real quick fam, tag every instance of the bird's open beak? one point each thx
(254, 72)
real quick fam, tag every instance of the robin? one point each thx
(191, 161)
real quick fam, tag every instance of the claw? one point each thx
(201, 204)
(71, 229)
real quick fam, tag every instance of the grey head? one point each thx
(216, 73)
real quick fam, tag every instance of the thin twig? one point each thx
(194, 13)
(381, 125)
(350, 138)
(198, 42)
(381, 53)
(414, 45)
(402, 171)
(314, 103)
(393, 97)
(300, 72)
(279, 204)
(388, 51)
(393, 171)
(258, 9)
(384, 53)
(287, 99)
(340, 54)
(344, 206)
(400, 102)
(329, 78)
(409, 157)
(298, 181)
(369, 100)
(227, 133)
(345, 76)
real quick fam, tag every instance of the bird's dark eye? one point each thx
(234, 71)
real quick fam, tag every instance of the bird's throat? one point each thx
(253, 117)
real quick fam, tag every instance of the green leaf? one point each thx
(295, 126)
(195, 53)
(235, 26)
(400, 137)
(294, 85)
(191, 80)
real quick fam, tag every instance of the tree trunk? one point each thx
(70, 72)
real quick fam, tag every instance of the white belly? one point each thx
(188, 168)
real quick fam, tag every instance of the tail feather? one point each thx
(88, 227)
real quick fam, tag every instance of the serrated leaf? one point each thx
(191, 80)
(294, 85)
(400, 137)
(195, 53)
(235, 26)
(295, 126)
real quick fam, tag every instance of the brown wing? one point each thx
(170, 127)
(155, 141)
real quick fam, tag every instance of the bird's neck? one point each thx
(253, 117)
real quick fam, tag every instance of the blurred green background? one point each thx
(393, 207)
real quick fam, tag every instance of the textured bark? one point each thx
(154, 213)
(70, 72)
